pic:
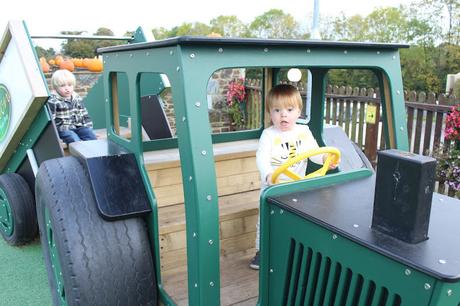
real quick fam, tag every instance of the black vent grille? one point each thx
(314, 279)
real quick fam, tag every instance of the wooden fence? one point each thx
(347, 107)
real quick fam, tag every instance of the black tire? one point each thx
(18, 221)
(89, 261)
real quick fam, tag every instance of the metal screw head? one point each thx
(449, 292)
(401, 128)
(211, 284)
(265, 49)
(355, 225)
(294, 200)
(210, 242)
(442, 261)
(220, 50)
(271, 270)
(407, 272)
(171, 52)
(177, 68)
(192, 55)
(308, 50)
(334, 236)
(209, 198)
(183, 119)
(190, 178)
(394, 57)
(398, 92)
(427, 286)
(196, 285)
(147, 53)
(203, 152)
(272, 212)
(197, 104)
(378, 52)
(281, 211)
(194, 234)
(345, 52)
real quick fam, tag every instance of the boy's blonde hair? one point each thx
(283, 96)
(62, 77)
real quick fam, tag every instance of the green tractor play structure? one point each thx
(327, 240)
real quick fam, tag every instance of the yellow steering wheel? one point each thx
(334, 158)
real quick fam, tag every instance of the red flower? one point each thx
(452, 129)
(236, 92)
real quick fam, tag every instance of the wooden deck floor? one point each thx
(239, 283)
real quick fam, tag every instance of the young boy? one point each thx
(283, 140)
(69, 113)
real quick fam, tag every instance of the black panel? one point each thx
(154, 120)
(48, 145)
(346, 209)
(403, 195)
(115, 177)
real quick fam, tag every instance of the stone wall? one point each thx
(85, 80)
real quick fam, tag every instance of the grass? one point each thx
(23, 275)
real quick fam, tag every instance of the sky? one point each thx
(46, 17)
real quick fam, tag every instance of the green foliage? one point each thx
(229, 26)
(274, 24)
(456, 90)
(80, 48)
(352, 77)
(48, 53)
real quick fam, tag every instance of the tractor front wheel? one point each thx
(89, 261)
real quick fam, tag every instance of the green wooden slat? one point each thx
(352, 289)
(303, 277)
(294, 277)
(364, 293)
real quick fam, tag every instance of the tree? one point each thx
(48, 53)
(274, 24)
(229, 26)
(76, 47)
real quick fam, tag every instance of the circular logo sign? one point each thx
(5, 111)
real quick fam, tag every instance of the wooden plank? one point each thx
(354, 118)
(418, 131)
(362, 114)
(172, 218)
(347, 117)
(173, 176)
(438, 129)
(238, 226)
(410, 122)
(174, 194)
(428, 128)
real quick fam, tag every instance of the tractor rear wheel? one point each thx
(90, 261)
(18, 221)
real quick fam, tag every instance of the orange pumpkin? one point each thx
(78, 62)
(67, 64)
(58, 60)
(85, 62)
(95, 65)
(52, 62)
(44, 65)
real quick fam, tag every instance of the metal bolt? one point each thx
(345, 52)
(401, 128)
(272, 212)
(196, 285)
(394, 57)
(271, 270)
(197, 104)
(177, 68)
(265, 49)
(427, 286)
(183, 118)
(281, 211)
(190, 178)
(220, 50)
(131, 55)
(398, 92)
(203, 152)
(194, 235)
(171, 52)
(209, 198)
(449, 292)
(211, 284)
(407, 272)
(308, 50)
(294, 200)
(334, 236)
(442, 261)
(211, 242)
(378, 52)
(192, 55)
(355, 225)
